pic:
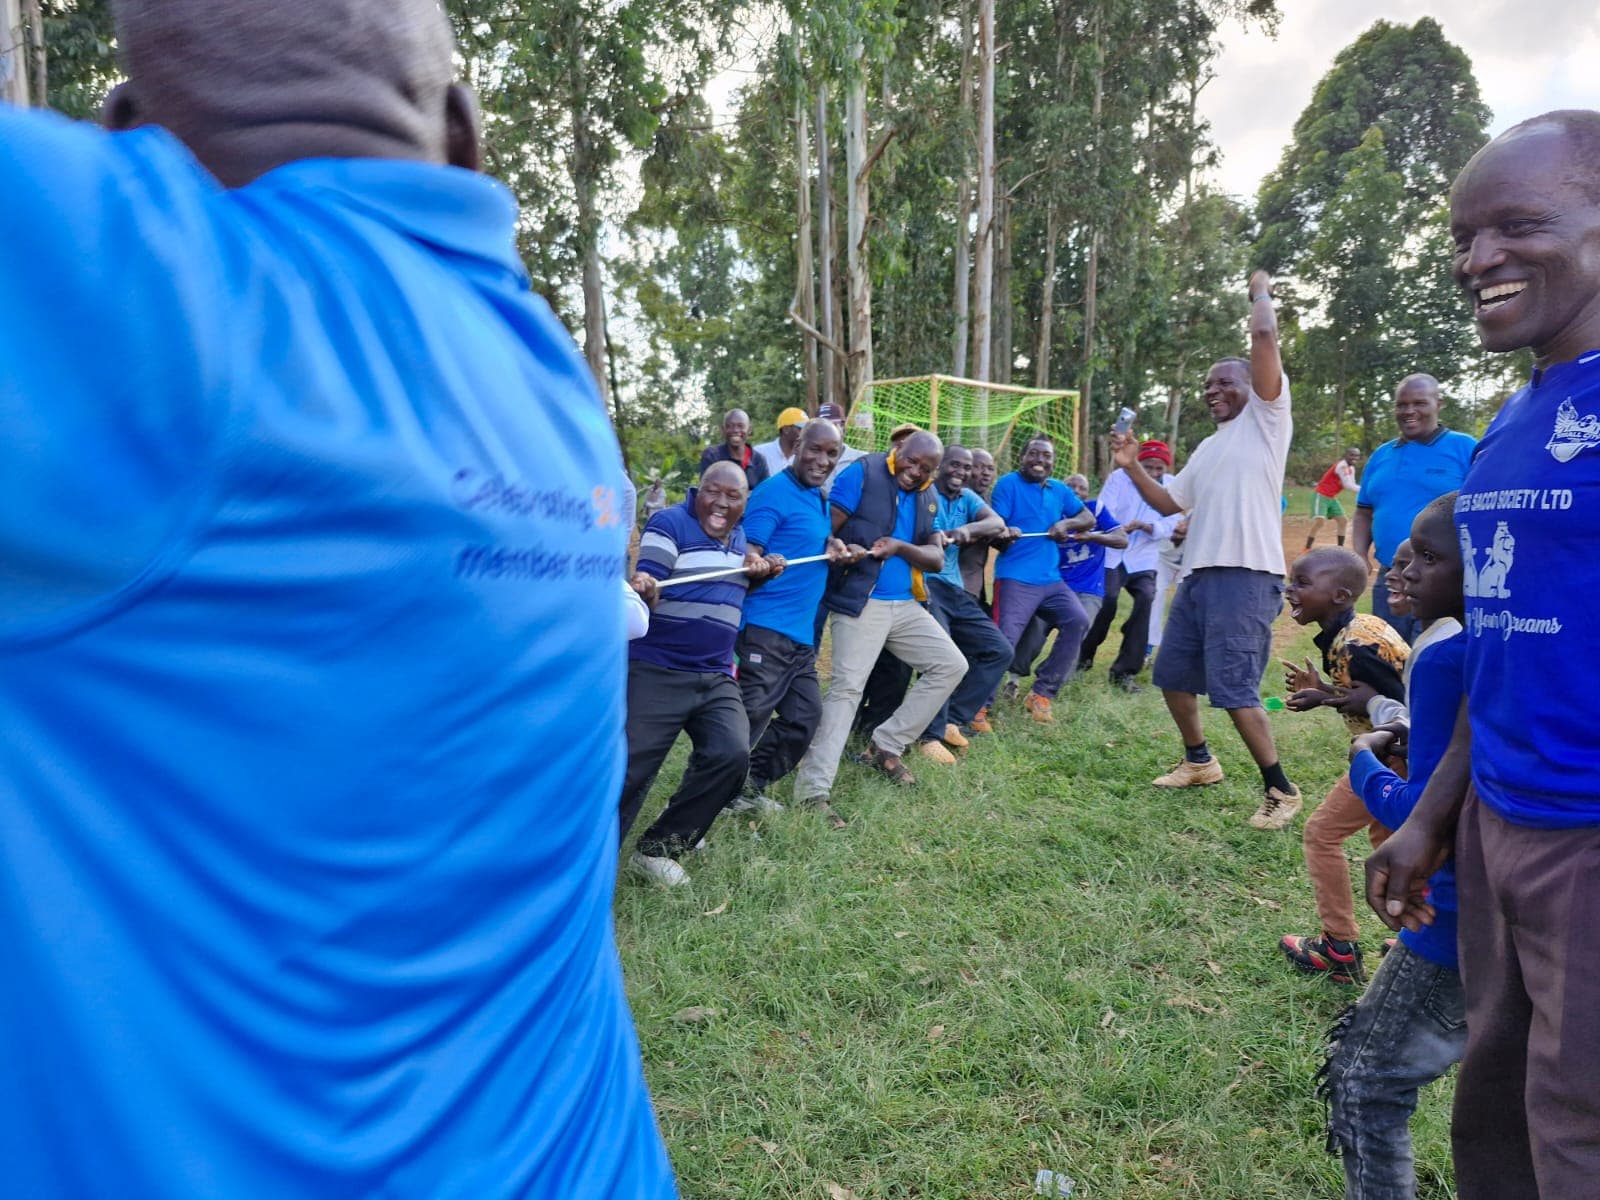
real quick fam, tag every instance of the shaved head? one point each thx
(725, 472)
(1345, 567)
(251, 84)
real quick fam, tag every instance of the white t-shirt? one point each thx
(1232, 487)
(773, 452)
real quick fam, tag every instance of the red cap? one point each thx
(1153, 449)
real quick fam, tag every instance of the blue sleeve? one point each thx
(846, 493)
(1071, 506)
(1437, 685)
(658, 546)
(113, 337)
(762, 517)
(1364, 497)
(1002, 497)
(1105, 522)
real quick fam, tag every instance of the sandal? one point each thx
(819, 804)
(892, 765)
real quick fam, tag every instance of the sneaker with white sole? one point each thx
(1191, 774)
(754, 802)
(1277, 808)
(663, 871)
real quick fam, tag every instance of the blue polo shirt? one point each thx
(311, 677)
(1032, 508)
(1083, 564)
(1529, 521)
(1403, 477)
(953, 514)
(786, 517)
(894, 579)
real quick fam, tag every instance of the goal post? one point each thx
(995, 417)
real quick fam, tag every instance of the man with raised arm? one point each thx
(1218, 636)
(311, 642)
(1518, 791)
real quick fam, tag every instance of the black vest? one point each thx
(849, 587)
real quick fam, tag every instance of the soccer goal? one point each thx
(995, 417)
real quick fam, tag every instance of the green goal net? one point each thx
(995, 417)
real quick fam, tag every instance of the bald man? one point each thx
(311, 644)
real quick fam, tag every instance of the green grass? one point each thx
(1031, 960)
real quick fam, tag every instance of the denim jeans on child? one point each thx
(1409, 1028)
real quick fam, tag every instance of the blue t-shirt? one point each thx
(311, 677)
(1083, 564)
(953, 514)
(894, 579)
(1529, 521)
(1402, 477)
(693, 625)
(1434, 698)
(786, 517)
(1032, 508)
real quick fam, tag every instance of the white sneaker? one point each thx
(664, 871)
(760, 804)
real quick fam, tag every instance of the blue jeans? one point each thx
(1409, 1028)
(1406, 627)
(980, 640)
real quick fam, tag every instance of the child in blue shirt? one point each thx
(1409, 1027)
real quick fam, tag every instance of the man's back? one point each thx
(309, 514)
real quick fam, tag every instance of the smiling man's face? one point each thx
(1527, 240)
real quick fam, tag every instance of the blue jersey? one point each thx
(786, 517)
(953, 514)
(1433, 695)
(1402, 477)
(311, 678)
(1032, 508)
(1529, 521)
(1083, 564)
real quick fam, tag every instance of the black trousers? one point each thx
(885, 688)
(1135, 630)
(662, 704)
(782, 699)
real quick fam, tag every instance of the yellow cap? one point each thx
(792, 416)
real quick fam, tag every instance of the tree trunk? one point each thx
(963, 288)
(13, 62)
(804, 280)
(1174, 412)
(1003, 356)
(1091, 296)
(825, 253)
(855, 144)
(1047, 304)
(588, 239)
(983, 267)
(38, 79)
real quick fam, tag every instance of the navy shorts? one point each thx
(1218, 637)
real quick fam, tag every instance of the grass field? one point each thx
(1033, 960)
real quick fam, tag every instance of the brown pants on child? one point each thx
(1340, 815)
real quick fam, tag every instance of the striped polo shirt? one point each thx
(693, 627)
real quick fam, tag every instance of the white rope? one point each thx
(704, 575)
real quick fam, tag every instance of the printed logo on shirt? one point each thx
(1572, 432)
(1488, 582)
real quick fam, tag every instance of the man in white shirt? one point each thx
(1218, 637)
(779, 452)
(1133, 568)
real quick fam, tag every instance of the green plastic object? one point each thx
(1272, 704)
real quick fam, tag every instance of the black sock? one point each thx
(1341, 539)
(1274, 777)
(1197, 754)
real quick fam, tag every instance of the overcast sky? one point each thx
(1529, 56)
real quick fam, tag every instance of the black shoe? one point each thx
(1339, 961)
(1126, 683)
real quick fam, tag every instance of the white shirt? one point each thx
(776, 459)
(1120, 497)
(1232, 487)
